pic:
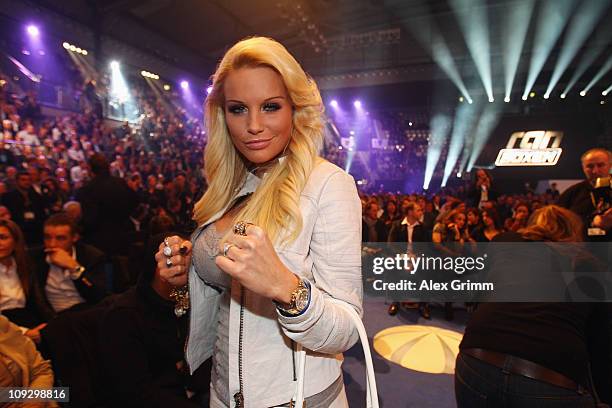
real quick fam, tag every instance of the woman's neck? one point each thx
(7, 261)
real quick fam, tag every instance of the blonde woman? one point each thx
(279, 239)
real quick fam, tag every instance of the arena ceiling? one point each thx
(390, 40)
(321, 33)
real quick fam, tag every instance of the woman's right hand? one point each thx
(177, 274)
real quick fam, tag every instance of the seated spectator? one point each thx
(490, 226)
(20, 298)
(141, 345)
(70, 273)
(28, 136)
(373, 228)
(520, 215)
(21, 365)
(473, 220)
(73, 210)
(5, 214)
(27, 208)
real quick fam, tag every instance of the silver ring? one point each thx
(168, 262)
(226, 248)
(167, 251)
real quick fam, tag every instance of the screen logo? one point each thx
(533, 148)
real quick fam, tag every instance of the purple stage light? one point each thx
(32, 30)
(334, 103)
(185, 85)
(357, 104)
(209, 90)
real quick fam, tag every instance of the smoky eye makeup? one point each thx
(236, 108)
(271, 107)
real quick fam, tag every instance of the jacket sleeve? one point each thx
(335, 248)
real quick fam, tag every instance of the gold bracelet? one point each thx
(180, 295)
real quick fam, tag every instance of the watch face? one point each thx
(301, 300)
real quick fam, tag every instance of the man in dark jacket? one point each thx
(70, 274)
(27, 208)
(410, 230)
(107, 203)
(596, 163)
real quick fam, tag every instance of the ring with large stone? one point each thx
(226, 248)
(167, 250)
(168, 262)
(241, 227)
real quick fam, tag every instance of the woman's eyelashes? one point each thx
(266, 107)
(271, 107)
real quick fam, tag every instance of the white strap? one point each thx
(371, 390)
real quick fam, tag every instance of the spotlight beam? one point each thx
(607, 91)
(488, 121)
(472, 18)
(464, 119)
(426, 31)
(552, 18)
(581, 25)
(514, 31)
(600, 42)
(602, 71)
(440, 127)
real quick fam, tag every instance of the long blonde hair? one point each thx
(553, 223)
(274, 206)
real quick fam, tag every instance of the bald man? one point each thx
(596, 163)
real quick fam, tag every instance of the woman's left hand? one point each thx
(253, 261)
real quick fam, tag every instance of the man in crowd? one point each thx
(71, 274)
(581, 197)
(410, 230)
(373, 229)
(107, 204)
(26, 207)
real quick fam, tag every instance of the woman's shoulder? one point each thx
(326, 175)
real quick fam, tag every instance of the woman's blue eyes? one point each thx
(268, 107)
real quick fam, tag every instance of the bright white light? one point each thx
(184, 84)
(546, 96)
(580, 27)
(357, 104)
(507, 99)
(84, 52)
(409, 123)
(119, 88)
(209, 89)
(491, 99)
(514, 31)
(461, 99)
(33, 30)
(79, 50)
(166, 87)
(524, 97)
(563, 96)
(602, 71)
(65, 45)
(72, 48)
(459, 174)
(334, 103)
(552, 18)
(582, 93)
